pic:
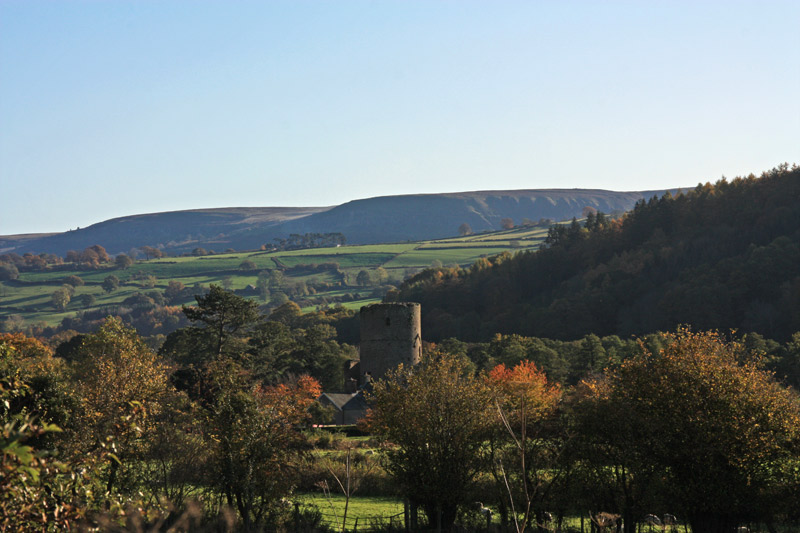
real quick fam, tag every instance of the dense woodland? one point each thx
(723, 256)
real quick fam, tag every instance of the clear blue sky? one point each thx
(116, 108)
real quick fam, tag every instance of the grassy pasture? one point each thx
(352, 260)
(422, 258)
(537, 234)
(367, 509)
(373, 509)
(347, 250)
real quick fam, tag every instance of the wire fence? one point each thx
(364, 523)
(574, 524)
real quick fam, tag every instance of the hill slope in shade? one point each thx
(215, 229)
(435, 216)
(372, 220)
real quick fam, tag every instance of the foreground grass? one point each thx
(369, 510)
(375, 511)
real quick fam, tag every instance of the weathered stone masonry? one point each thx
(390, 335)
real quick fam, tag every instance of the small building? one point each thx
(348, 408)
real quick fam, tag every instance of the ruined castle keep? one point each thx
(390, 335)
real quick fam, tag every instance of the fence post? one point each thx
(355, 526)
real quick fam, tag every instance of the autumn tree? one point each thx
(507, 223)
(151, 252)
(8, 272)
(102, 255)
(61, 477)
(110, 283)
(38, 492)
(174, 291)
(528, 441)
(702, 422)
(256, 439)
(73, 280)
(123, 261)
(464, 229)
(381, 275)
(61, 298)
(48, 394)
(122, 384)
(436, 418)
(89, 257)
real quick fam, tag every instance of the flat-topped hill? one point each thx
(371, 220)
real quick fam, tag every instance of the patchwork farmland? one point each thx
(314, 278)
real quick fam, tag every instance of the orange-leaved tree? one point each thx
(528, 440)
(256, 441)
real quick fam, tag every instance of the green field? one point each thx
(372, 511)
(29, 296)
(368, 510)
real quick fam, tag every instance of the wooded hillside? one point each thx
(721, 256)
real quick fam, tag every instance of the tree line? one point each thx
(296, 241)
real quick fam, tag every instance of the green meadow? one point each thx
(370, 511)
(314, 277)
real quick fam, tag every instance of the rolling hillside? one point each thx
(367, 221)
(217, 229)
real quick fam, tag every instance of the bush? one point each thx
(247, 264)
(8, 272)
(74, 281)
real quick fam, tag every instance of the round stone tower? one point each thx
(390, 335)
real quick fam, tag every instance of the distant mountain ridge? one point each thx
(365, 221)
